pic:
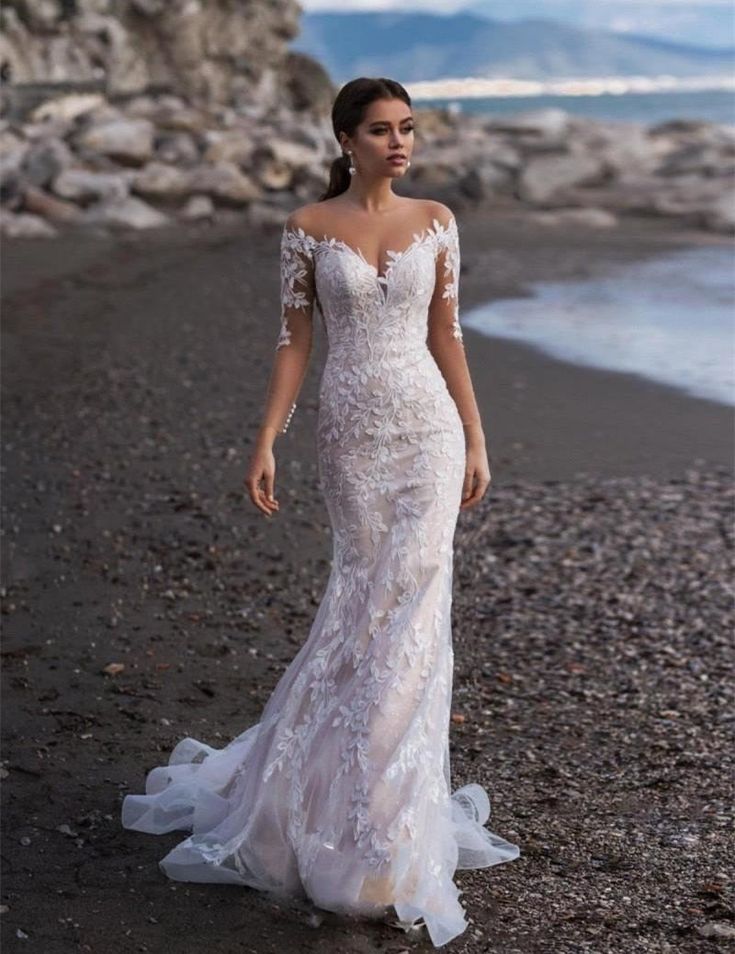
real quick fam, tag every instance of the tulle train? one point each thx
(200, 791)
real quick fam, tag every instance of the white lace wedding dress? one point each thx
(341, 793)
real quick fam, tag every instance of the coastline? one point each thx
(544, 418)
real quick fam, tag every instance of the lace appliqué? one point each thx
(297, 265)
(448, 240)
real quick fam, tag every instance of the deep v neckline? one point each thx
(392, 255)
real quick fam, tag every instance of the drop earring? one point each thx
(351, 168)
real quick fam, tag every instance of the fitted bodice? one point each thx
(366, 313)
(377, 325)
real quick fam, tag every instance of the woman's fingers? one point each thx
(474, 488)
(255, 492)
(468, 491)
(468, 481)
(270, 489)
(259, 495)
(269, 503)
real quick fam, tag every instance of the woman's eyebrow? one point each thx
(386, 122)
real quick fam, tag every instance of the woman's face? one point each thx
(387, 128)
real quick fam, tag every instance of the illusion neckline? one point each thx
(393, 255)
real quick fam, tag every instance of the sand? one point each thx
(134, 370)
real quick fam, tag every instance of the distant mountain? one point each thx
(423, 46)
(702, 23)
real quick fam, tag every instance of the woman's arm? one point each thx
(446, 343)
(287, 376)
(292, 351)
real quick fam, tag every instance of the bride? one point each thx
(341, 794)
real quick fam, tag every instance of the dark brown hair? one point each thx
(348, 111)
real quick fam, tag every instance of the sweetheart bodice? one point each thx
(364, 311)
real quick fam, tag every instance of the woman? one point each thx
(341, 793)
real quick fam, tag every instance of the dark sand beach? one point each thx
(592, 611)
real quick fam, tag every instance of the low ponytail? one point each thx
(339, 177)
(348, 111)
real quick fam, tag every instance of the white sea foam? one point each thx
(473, 87)
(671, 319)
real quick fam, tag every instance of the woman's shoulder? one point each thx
(302, 217)
(438, 211)
(432, 210)
(310, 218)
(314, 217)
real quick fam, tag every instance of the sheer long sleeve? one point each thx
(293, 345)
(445, 338)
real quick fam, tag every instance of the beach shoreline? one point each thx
(547, 418)
(544, 418)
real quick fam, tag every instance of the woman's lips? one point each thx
(397, 160)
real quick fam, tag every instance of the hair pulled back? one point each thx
(348, 111)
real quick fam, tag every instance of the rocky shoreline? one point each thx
(82, 160)
(142, 115)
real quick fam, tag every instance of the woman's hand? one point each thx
(261, 476)
(477, 476)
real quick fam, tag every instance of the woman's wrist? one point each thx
(473, 432)
(267, 435)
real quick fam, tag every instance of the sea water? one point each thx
(656, 106)
(671, 319)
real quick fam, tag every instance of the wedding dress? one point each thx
(341, 793)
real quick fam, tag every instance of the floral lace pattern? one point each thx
(341, 793)
(298, 250)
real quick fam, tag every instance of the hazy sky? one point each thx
(449, 6)
(703, 22)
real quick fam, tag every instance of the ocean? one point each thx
(713, 105)
(670, 319)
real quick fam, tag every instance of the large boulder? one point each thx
(546, 124)
(128, 212)
(128, 141)
(50, 206)
(46, 159)
(225, 183)
(543, 176)
(84, 185)
(162, 182)
(25, 225)
(719, 216)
